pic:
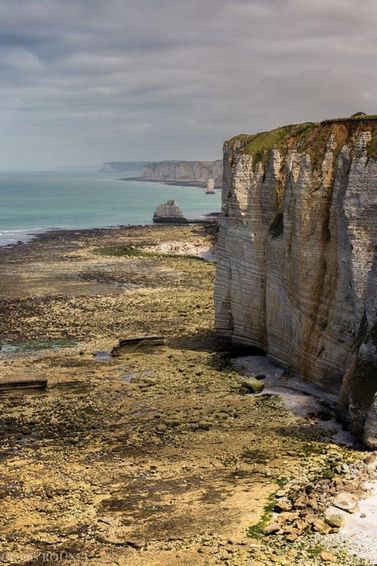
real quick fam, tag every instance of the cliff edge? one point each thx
(297, 269)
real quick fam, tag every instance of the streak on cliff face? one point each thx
(297, 271)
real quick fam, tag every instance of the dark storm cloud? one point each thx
(82, 81)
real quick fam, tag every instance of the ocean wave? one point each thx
(12, 236)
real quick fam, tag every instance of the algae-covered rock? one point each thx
(321, 527)
(252, 385)
(334, 520)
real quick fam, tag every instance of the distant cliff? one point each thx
(195, 172)
(172, 172)
(297, 271)
(123, 167)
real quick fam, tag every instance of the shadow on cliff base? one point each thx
(209, 341)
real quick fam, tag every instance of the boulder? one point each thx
(252, 385)
(346, 501)
(321, 527)
(334, 520)
(283, 504)
(169, 213)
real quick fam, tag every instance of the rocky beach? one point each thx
(188, 332)
(153, 443)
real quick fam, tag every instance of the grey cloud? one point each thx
(83, 81)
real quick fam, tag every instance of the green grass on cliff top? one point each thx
(309, 136)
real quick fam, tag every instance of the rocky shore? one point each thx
(152, 451)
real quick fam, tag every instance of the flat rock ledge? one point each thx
(169, 213)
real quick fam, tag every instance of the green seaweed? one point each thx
(120, 251)
(134, 251)
(256, 531)
(315, 551)
(254, 456)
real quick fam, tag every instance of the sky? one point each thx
(88, 81)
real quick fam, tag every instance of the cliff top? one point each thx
(309, 137)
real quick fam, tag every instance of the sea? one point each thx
(33, 202)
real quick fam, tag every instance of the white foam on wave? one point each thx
(8, 237)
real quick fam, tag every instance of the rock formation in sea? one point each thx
(210, 190)
(297, 270)
(169, 213)
(195, 172)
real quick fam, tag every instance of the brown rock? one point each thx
(335, 521)
(283, 504)
(327, 556)
(271, 529)
(346, 501)
(321, 527)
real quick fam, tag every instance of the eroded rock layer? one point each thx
(297, 271)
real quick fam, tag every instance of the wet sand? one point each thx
(151, 457)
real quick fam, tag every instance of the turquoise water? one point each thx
(31, 202)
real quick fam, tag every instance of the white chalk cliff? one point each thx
(297, 269)
(186, 171)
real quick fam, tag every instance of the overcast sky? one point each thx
(87, 81)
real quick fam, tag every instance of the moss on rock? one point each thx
(309, 137)
(252, 385)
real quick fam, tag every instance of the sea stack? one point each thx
(169, 213)
(210, 187)
(297, 267)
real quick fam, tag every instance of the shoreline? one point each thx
(175, 183)
(207, 218)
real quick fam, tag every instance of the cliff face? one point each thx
(297, 271)
(132, 167)
(186, 171)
